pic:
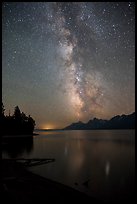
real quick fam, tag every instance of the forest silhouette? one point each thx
(17, 124)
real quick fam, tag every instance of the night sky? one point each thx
(68, 61)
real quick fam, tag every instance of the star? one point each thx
(75, 60)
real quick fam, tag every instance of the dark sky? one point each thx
(68, 61)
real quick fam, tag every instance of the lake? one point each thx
(100, 163)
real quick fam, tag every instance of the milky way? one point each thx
(69, 61)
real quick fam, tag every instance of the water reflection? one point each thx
(66, 150)
(99, 163)
(16, 147)
(107, 168)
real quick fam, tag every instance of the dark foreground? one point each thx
(21, 186)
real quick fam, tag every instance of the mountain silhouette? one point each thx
(116, 122)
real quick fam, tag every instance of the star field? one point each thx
(68, 61)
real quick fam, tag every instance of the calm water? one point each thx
(100, 163)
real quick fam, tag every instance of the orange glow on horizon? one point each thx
(48, 126)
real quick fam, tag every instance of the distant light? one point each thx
(48, 127)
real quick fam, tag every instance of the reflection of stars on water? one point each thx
(107, 168)
(66, 151)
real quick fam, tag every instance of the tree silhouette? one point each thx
(18, 123)
(30, 120)
(24, 117)
(3, 109)
(17, 113)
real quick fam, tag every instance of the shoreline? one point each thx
(22, 186)
(19, 136)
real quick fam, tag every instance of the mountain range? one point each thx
(116, 122)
